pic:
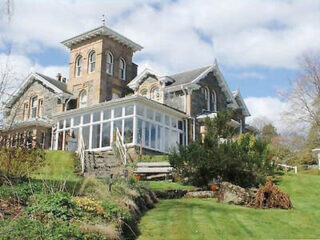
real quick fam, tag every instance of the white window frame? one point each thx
(122, 70)
(91, 62)
(78, 66)
(32, 107)
(109, 65)
(81, 105)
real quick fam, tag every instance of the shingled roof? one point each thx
(62, 86)
(188, 76)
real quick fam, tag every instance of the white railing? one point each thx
(288, 166)
(121, 147)
(81, 151)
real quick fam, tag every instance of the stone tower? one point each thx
(100, 65)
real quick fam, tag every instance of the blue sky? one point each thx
(257, 43)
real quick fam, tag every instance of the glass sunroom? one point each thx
(140, 121)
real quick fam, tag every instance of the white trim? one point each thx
(244, 106)
(29, 79)
(102, 31)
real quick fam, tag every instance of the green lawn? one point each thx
(59, 165)
(162, 185)
(205, 219)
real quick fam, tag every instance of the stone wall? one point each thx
(103, 165)
(50, 102)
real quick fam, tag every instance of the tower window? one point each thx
(110, 63)
(78, 66)
(122, 69)
(92, 61)
(83, 99)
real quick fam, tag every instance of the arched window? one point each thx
(92, 61)
(122, 69)
(144, 92)
(78, 66)
(34, 105)
(213, 101)
(83, 99)
(207, 97)
(154, 93)
(109, 63)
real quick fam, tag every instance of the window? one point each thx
(110, 63)
(40, 107)
(34, 102)
(83, 99)
(78, 66)
(25, 111)
(92, 61)
(213, 101)
(128, 130)
(106, 134)
(43, 139)
(207, 98)
(154, 94)
(143, 92)
(95, 137)
(122, 69)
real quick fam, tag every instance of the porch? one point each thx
(140, 121)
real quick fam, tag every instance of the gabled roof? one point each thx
(243, 106)
(188, 76)
(102, 31)
(135, 83)
(56, 86)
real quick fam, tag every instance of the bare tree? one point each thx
(304, 96)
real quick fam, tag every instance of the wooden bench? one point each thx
(154, 170)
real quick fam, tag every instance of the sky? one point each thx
(257, 43)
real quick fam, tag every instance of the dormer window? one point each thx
(78, 66)
(110, 63)
(122, 69)
(92, 61)
(83, 99)
(34, 104)
(213, 101)
(144, 92)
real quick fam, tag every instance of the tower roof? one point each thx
(102, 31)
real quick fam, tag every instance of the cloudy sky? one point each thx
(257, 42)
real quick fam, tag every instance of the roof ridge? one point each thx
(194, 69)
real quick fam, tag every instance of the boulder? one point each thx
(229, 193)
(201, 194)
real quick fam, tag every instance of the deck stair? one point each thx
(154, 170)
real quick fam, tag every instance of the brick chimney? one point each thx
(59, 76)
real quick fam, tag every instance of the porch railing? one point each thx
(120, 147)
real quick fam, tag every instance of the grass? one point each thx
(206, 219)
(59, 165)
(161, 186)
(154, 158)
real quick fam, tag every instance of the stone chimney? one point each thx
(59, 76)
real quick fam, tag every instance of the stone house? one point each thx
(104, 97)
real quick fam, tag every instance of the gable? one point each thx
(47, 82)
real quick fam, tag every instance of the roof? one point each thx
(188, 76)
(62, 86)
(29, 123)
(245, 110)
(56, 86)
(102, 31)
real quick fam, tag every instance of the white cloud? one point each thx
(268, 109)
(244, 33)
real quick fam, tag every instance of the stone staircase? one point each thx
(103, 165)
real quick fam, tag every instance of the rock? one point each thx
(201, 194)
(171, 194)
(229, 193)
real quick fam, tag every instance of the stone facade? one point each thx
(99, 85)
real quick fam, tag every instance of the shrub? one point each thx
(20, 162)
(89, 205)
(243, 161)
(58, 205)
(113, 211)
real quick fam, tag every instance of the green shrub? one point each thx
(20, 162)
(114, 211)
(244, 161)
(59, 205)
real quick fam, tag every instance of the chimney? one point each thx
(59, 77)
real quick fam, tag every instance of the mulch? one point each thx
(9, 208)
